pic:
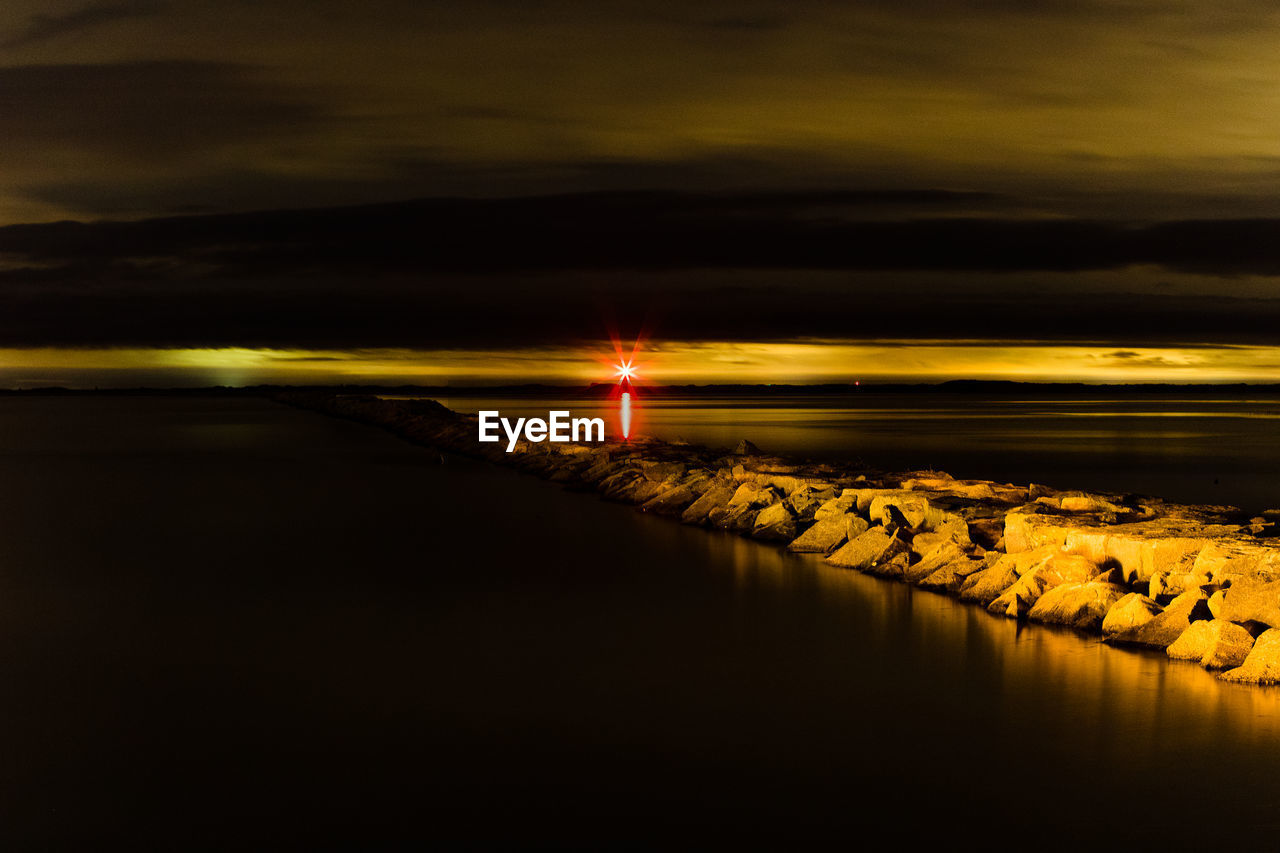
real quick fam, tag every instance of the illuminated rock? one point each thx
(913, 508)
(714, 498)
(892, 567)
(1082, 605)
(986, 585)
(1035, 572)
(661, 471)
(1130, 611)
(952, 576)
(834, 508)
(1213, 643)
(775, 523)
(941, 554)
(1252, 600)
(1022, 594)
(1165, 627)
(673, 501)
(1262, 666)
(825, 536)
(864, 552)
(803, 503)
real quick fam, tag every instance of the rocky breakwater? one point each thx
(1201, 583)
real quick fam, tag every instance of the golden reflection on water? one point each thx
(1133, 701)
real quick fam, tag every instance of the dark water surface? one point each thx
(1191, 449)
(227, 622)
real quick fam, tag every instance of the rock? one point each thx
(775, 523)
(893, 567)
(855, 526)
(716, 497)
(1161, 630)
(952, 576)
(1082, 605)
(1252, 600)
(863, 552)
(1193, 643)
(986, 585)
(672, 502)
(661, 471)
(1086, 503)
(1115, 576)
(1017, 600)
(942, 554)
(823, 537)
(1231, 646)
(1130, 611)
(1140, 549)
(923, 543)
(834, 508)
(1262, 666)
(739, 514)
(746, 448)
(912, 508)
(1215, 603)
(803, 503)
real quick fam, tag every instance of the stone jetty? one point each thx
(1200, 583)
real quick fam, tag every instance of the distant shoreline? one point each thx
(600, 389)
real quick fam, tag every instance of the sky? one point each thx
(762, 191)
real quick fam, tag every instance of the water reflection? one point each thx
(303, 624)
(1196, 451)
(1137, 698)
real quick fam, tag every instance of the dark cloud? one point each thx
(473, 273)
(43, 27)
(154, 112)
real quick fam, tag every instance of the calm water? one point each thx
(1190, 450)
(228, 622)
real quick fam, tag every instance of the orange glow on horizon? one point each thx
(664, 363)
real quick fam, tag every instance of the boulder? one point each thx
(671, 502)
(952, 576)
(942, 554)
(661, 471)
(1017, 600)
(716, 497)
(1161, 630)
(803, 503)
(1252, 600)
(1139, 548)
(1215, 603)
(1082, 605)
(746, 448)
(1193, 643)
(893, 567)
(913, 508)
(823, 537)
(863, 552)
(1086, 503)
(986, 585)
(1262, 666)
(1130, 611)
(775, 523)
(834, 508)
(1213, 643)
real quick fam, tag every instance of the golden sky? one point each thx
(1024, 120)
(658, 364)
